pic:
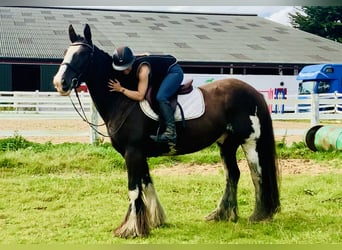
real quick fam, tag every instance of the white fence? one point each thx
(37, 104)
(42, 105)
(46, 105)
(313, 107)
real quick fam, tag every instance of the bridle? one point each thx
(76, 82)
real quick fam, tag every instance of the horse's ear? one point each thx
(72, 34)
(87, 33)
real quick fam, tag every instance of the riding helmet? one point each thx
(123, 58)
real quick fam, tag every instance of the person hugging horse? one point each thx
(162, 72)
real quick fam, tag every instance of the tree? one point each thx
(323, 21)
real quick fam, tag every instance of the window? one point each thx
(306, 88)
(329, 70)
(323, 87)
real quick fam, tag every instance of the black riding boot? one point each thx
(167, 115)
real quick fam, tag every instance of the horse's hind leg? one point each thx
(259, 149)
(249, 149)
(228, 208)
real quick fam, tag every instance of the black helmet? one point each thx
(123, 58)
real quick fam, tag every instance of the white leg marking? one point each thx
(156, 211)
(249, 146)
(130, 228)
(133, 195)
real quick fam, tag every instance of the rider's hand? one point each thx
(114, 85)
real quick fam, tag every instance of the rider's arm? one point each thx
(139, 94)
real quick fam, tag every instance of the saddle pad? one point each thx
(192, 105)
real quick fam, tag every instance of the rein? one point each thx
(94, 126)
(84, 116)
(76, 83)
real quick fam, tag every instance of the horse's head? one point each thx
(76, 61)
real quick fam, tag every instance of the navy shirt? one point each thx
(159, 68)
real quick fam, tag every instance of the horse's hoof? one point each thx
(255, 217)
(127, 230)
(126, 234)
(219, 215)
(212, 216)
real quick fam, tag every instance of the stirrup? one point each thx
(159, 138)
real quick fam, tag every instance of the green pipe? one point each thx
(324, 138)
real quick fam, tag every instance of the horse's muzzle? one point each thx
(61, 87)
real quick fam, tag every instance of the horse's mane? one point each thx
(105, 101)
(104, 53)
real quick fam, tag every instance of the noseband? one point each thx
(75, 82)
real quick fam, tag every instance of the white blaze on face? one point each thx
(58, 78)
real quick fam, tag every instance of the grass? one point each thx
(77, 193)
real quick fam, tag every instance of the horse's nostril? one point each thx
(61, 83)
(65, 87)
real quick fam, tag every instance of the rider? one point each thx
(161, 71)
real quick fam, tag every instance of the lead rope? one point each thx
(84, 116)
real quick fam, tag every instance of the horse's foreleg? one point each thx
(228, 208)
(136, 222)
(156, 211)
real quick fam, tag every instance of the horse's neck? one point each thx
(107, 103)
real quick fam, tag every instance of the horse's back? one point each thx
(230, 86)
(233, 94)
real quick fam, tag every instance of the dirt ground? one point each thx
(72, 127)
(288, 166)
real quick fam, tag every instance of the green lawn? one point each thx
(75, 193)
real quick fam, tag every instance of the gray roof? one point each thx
(41, 33)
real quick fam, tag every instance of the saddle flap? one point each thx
(192, 104)
(183, 89)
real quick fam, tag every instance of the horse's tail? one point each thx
(268, 161)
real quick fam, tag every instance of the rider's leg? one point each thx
(167, 89)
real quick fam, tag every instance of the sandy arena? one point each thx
(78, 131)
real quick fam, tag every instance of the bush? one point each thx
(14, 143)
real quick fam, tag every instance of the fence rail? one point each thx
(50, 105)
(314, 107)
(41, 105)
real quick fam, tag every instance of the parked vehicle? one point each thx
(322, 79)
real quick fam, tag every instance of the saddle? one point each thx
(183, 89)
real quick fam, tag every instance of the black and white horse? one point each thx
(235, 115)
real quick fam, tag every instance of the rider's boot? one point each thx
(167, 115)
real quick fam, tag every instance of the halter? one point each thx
(75, 82)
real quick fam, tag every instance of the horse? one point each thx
(236, 114)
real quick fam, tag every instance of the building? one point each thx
(33, 40)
